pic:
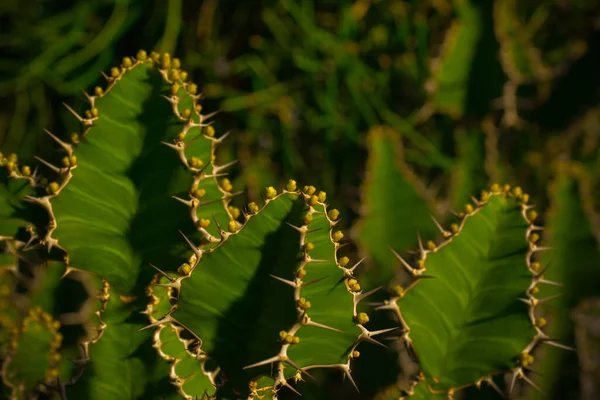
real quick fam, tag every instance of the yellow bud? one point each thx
(495, 188)
(253, 208)
(232, 226)
(180, 137)
(204, 223)
(184, 269)
(282, 334)
(198, 108)
(183, 75)
(308, 246)
(454, 228)
(291, 186)
(271, 192)
(98, 91)
(307, 218)
(295, 340)
(75, 138)
(175, 89)
(421, 264)
(525, 198)
(25, 170)
(534, 290)
(165, 63)
(176, 63)
(209, 130)
(186, 113)
(535, 266)
(114, 72)
(10, 166)
(343, 261)
(313, 200)
(199, 193)
(355, 354)
(540, 322)
(532, 215)
(94, 112)
(12, 157)
(301, 273)
(288, 339)
(337, 236)
(352, 281)
(65, 162)
(53, 188)
(322, 196)
(485, 195)
(127, 62)
(534, 237)
(226, 185)
(234, 211)
(192, 88)
(195, 162)
(355, 287)
(468, 208)
(155, 56)
(430, 245)
(141, 55)
(333, 214)
(173, 75)
(309, 190)
(517, 191)
(506, 188)
(398, 290)
(362, 318)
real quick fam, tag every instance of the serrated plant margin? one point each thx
(524, 360)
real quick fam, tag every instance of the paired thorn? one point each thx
(163, 273)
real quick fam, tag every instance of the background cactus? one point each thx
(462, 95)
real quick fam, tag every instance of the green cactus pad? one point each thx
(271, 299)
(469, 312)
(112, 192)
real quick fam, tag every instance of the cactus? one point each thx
(269, 281)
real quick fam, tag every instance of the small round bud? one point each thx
(141, 55)
(271, 192)
(337, 236)
(209, 130)
(291, 186)
(226, 185)
(362, 318)
(253, 208)
(343, 261)
(333, 214)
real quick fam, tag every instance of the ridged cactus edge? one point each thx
(490, 291)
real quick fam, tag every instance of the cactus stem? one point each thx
(62, 144)
(287, 282)
(163, 273)
(46, 163)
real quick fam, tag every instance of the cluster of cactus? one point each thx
(233, 303)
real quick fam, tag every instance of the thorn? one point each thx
(46, 163)
(212, 114)
(313, 281)
(209, 202)
(421, 247)
(299, 229)
(287, 282)
(188, 203)
(357, 264)
(513, 380)
(163, 273)
(552, 342)
(287, 384)
(310, 322)
(74, 113)
(223, 136)
(219, 168)
(406, 265)
(547, 282)
(221, 231)
(152, 325)
(491, 383)
(196, 251)
(287, 360)
(439, 226)
(382, 331)
(524, 377)
(105, 76)
(348, 375)
(367, 294)
(60, 142)
(264, 362)
(171, 145)
(542, 248)
(87, 96)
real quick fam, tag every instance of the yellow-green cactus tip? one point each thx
(337, 236)
(184, 269)
(234, 211)
(226, 185)
(322, 196)
(53, 188)
(291, 186)
(127, 62)
(141, 55)
(209, 130)
(253, 208)
(195, 162)
(232, 226)
(333, 214)
(270, 192)
(362, 318)
(309, 190)
(532, 215)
